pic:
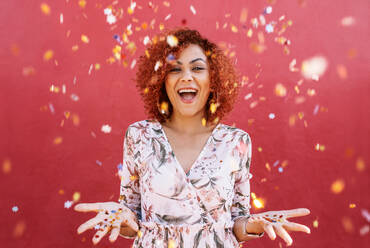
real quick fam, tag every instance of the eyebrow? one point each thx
(194, 60)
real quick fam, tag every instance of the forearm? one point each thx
(245, 230)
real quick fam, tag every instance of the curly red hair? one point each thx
(154, 66)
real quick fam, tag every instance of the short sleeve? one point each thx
(130, 181)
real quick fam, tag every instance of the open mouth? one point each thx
(187, 95)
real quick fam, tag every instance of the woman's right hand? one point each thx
(110, 217)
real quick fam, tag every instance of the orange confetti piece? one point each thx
(352, 205)
(61, 192)
(7, 166)
(48, 55)
(243, 15)
(82, 3)
(19, 229)
(58, 140)
(280, 90)
(337, 186)
(45, 9)
(342, 71)
(360, 164)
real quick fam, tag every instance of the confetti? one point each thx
(348, 21)
(364, 230)
(19, 229)
(365, 214)
(342, 71)
(268, 10)
(146, 40)
(272, 116)
(111, 19)
(248, 96)
(292, 67)
(85, 39)
(315, 223)
(61, 19)
(157, 65)
(133, 63)
(167, 17)
(48, 55)
(280, 90)
(314, 67)
(243, 15)
(269, 28)
(45, 9)
(76, 196)
(15, 209)
(106, 128)
(337, 186)
(68, 204)
(192, 9)
(172, 40)
(74, 97)
(352, 205)
(7, 166)
(98, 162)
(82, 3)
(360, 164)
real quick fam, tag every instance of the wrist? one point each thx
(253, 228)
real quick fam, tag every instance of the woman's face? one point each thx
(189, 73)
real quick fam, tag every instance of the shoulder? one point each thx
(236, 132)
(142, 124)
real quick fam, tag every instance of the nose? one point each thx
(187, 76)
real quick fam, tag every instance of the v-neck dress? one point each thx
(178, 209)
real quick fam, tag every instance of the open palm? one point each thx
(109, 218)
(276, 221)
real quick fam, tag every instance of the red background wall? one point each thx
(52, 145)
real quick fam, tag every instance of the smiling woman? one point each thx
(185, 175)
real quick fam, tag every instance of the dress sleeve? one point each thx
(241, 201)
(130, 181)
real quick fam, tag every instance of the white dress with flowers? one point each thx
(178, 209)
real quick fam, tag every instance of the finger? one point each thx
(86, 207)
(283, 234)
(131, 223)
(89, 224)
(294, 212)
(114, 234)
(100, 234)
(291, 226)
(270, 231)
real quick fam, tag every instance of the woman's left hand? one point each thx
(276, 221)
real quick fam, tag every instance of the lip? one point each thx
(188, 101)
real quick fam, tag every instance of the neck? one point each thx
(188, 125)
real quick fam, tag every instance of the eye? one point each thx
(175, 69)
(198, 68)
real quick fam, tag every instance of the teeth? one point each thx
(187, 90)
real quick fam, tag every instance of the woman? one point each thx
(185, 177)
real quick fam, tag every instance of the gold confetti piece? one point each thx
(146, 90)
(204, 121)
(296, 88)
(234, 29)
(19, 229)
(166, 4)
(280, 90)
(337, 186)
(61, 192)
(213, 107)
(172, 40)
(300, 115)
(215, 121)
(131, 47)
(243, 15)
(315, 223)
(48, 55)
(253, 195)
(292, 120)
(7, 166)
(67, 114)
(311, 92)
(352, 205)
(76, 196)
(250, 33)
(54, 89)
(97, 66)
(259, 149)
(139, 234)
(45, 9)
(82, 3)
(360, 164)
(85, 39)
(28, 70)
(319, 147)
(253, 104)
(133, 177)
(342, 71)
(258, 203)
(58, 140)
(347, 224)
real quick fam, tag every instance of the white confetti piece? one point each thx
(248, 96)
(272, 116)
(157, 65)
(68, 204)
(51, 108)
(146, 40)
(106, 128)
(167, 17)
(172, 40)
(75, 97)
(133, 63)
(314, 67)
(61, 18)
(15, 209)
(192, 9)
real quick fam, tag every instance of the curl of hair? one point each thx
(224, 78)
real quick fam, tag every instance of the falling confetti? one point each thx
(48, 55)
(272, 116)
(280, 90)
(15, 209)
(106, 128)
(68, 204)
(45, 9)
(85, 39)
(314, 67)
(172, 40)
(7, 166)
(192, 9)
(337, 186)
(348, 21)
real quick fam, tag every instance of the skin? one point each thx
(191, 69)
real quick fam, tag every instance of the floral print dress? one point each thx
(178, 209)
